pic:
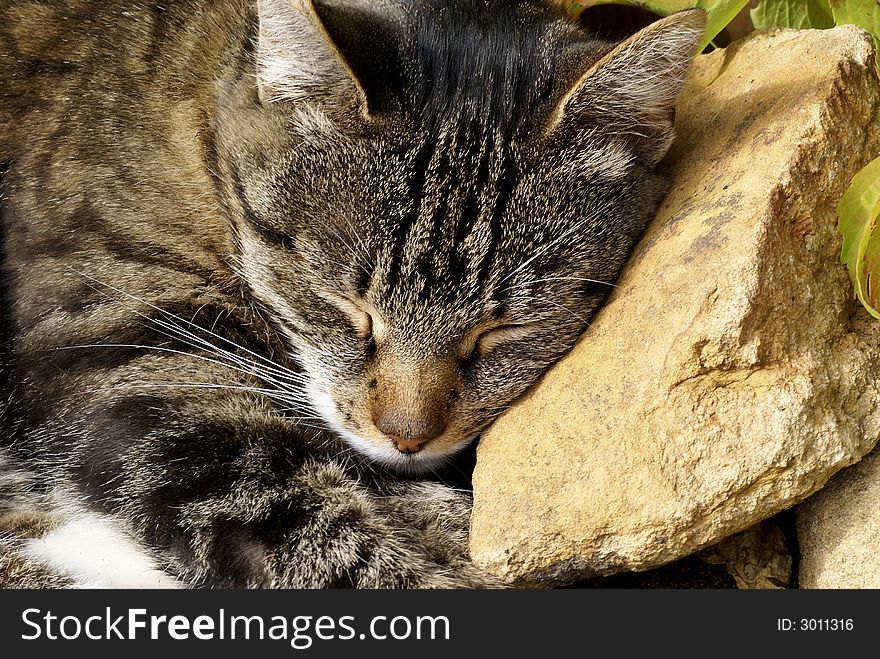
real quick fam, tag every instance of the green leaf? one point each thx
(796, 14)
(821, 14)
(858, 216)
(864, 13)
(870, 286)
(718, 12)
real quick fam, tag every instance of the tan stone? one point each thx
(839, 530)
(757, 558)
(722, 382)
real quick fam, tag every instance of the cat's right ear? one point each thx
(632, 91)
(321, 52)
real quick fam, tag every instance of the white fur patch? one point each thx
(611, 161)
(97, 555)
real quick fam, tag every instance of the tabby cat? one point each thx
(270, 264)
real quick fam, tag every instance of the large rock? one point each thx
(722, 383)
(838, 530)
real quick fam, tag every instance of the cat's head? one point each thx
(432, 198)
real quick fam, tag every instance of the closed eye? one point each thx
(364, 323)
(491, 339)
(361, 320)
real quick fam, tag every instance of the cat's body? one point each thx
(270, 263)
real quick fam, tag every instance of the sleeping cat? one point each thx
(271, 264)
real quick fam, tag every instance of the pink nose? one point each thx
(409, 447)
(409, 433)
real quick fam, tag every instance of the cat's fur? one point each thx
(271, 263)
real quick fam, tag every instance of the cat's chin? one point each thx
(412, 464)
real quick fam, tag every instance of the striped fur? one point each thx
(271, 265)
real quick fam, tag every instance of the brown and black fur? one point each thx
(250, 245)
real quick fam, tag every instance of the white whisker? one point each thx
(553, 279)
(540, 252)
(286, 384)
(563, 307)
(165, 350)
(178, 318)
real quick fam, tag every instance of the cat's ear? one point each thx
(633, 89)
(329, 52)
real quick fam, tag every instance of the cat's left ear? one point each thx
(632, 90)
(334, 53)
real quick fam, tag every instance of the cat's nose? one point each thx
(409, 433)
(409, 447)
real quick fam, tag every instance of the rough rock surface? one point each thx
(756, 558)
(838, 529)
(723, 382)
